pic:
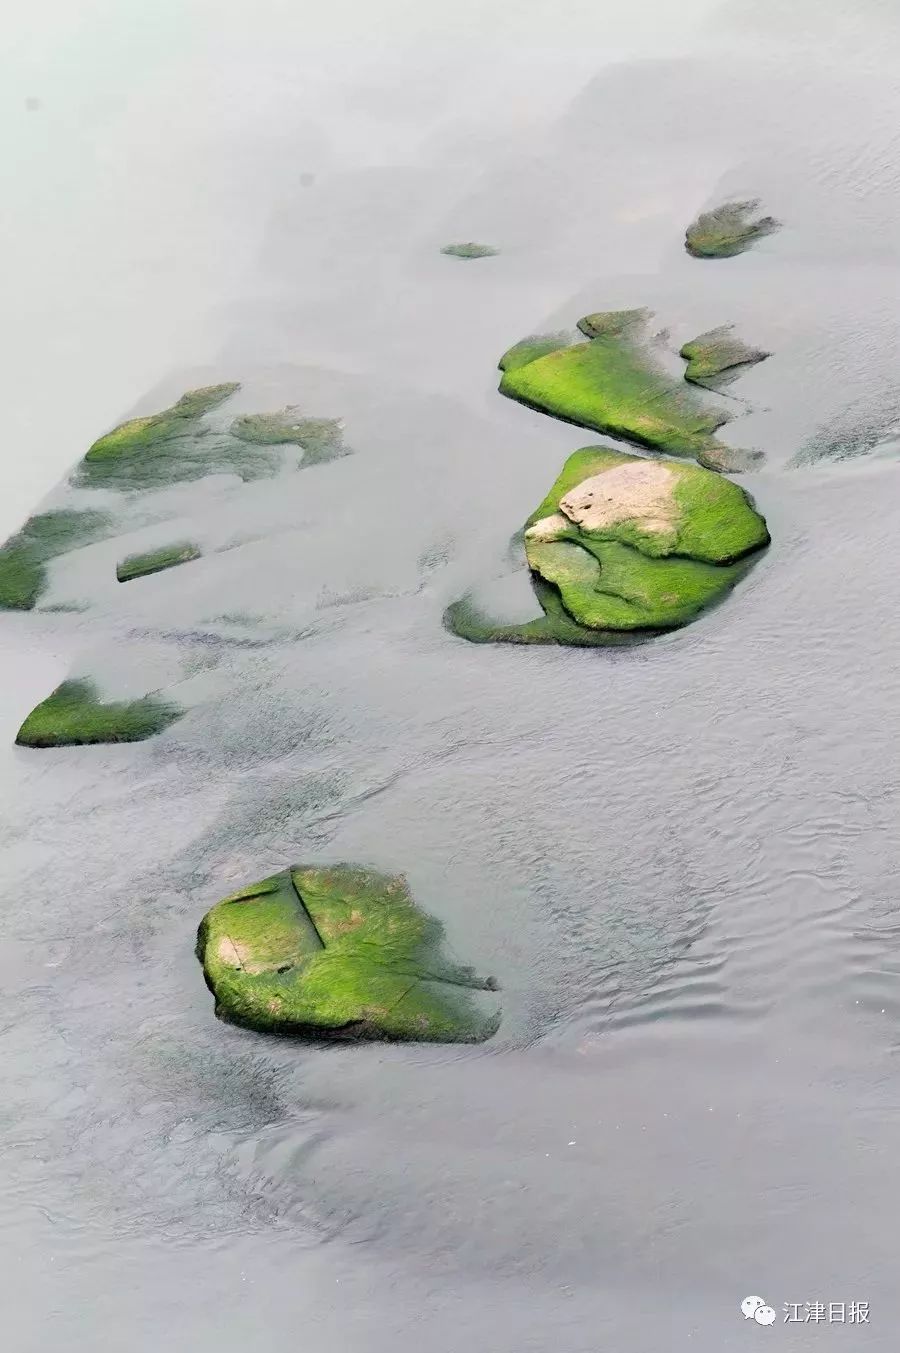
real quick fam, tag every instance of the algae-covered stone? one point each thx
(717, 358)
(611, 384)
(165, 447)
(469, 250)
(73, 715)
(23, 575)
(320, 439)
(727, 230)
(536, 345)
(339, 951)
(623, 545)
(613, 323)
(155, 561)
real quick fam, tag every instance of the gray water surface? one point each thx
(680, 860)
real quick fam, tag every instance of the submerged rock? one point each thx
(155, 561)
(73, 716)
(624, 546)
(156, 449)
(23, 576)
(717, 358)
(611, 384)
(320, 439)
(339, 951)
(177, 445)
(727, 230)
(469, 250)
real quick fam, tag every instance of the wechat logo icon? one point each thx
(755, 1308)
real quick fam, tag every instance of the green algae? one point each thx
(155, 561)
(470, 250)
(615, 554)
(716, 358)
(74, 716)
(611, 384)
(23, 575)
(727, 230)
(321, 439)
(339, 951)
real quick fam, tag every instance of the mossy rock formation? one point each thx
(177, 445)
(155, 561)
(624, 546)
(158, 449)
(469, 250)
(339, 951)
(74, 716)
(727, 230)
(23, 576)
(320, 439)
(717, 358)
(611, 384)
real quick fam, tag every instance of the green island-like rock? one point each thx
(74, 716)
(626, 547)
(727, 230)
(469, 250)
(611, 384)
(717, 358)
(155, 561)
(320, 439)
(23, 575)
(339, 951)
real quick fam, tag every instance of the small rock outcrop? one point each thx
(339, 951)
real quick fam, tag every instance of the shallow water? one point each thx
(680, 860)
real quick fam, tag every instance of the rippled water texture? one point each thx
(680, 860)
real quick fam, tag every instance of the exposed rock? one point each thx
(613, 384)
(626, 547)
(73, 715)
(339, 951)
(727, 230)
(155, 561)
(717, 358)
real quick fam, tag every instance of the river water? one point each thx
(680, 860)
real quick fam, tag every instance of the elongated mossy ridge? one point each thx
(626, 546)
(717, 358)
(155, 561)
(469, 250)
(23, 575)
(727, 230)
(611, 384)
(321, 439)
(73, 716)
(339, 951)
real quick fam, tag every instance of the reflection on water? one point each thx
(678, 859)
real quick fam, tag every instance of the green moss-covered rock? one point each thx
(167, 447)
(727, 230)
(614, 323)
(320, 439)
(611, 384)
(528, 349)
(338, 951)
(155, 561)
(717, 358)
(469, 250)
(73, 715)
(623, 546)
(23, 575)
